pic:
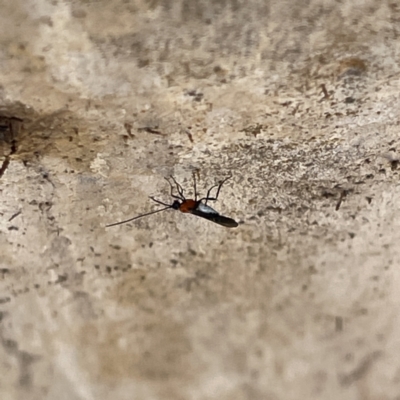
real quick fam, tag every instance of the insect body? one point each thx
(195, 207)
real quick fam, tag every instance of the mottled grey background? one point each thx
(298, 101)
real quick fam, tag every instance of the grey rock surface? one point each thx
(298, 101)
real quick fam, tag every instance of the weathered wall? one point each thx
(298, 101)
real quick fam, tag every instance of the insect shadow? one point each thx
(195, 207)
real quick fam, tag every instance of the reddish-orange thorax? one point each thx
(187, 206)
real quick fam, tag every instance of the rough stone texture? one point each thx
(298, 101)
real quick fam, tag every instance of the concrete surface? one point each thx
(298, 101)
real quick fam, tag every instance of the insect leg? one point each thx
(159, 202)
(179, 188)
(194, 186)
(172, 191)
(211, 188)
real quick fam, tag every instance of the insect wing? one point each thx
(205, 209)
(217, 218)
(209, 213)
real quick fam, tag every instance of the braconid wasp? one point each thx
(195, 207)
